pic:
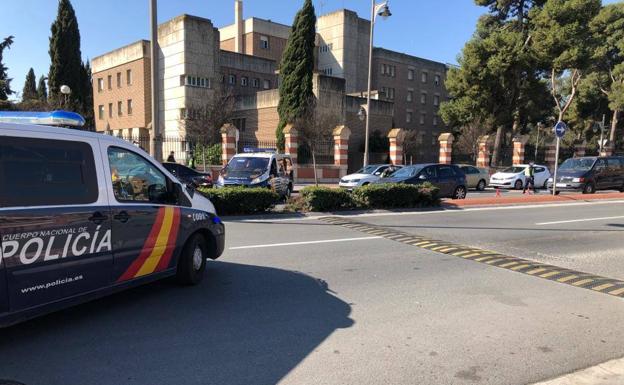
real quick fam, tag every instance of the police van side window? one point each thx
(135, 179)
(45, 172)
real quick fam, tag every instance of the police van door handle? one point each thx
(98, 218)
(122, 217)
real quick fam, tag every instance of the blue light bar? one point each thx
(52, 118)
(251, 150)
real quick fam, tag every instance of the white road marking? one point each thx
(305, 243)
(579, 220)
(432, 212)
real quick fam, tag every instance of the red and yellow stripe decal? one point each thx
(159, 246)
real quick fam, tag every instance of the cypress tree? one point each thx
(42, 89)
(30, 86)
(296, 70)
(87, 89)
(5, 82)
(65, 57)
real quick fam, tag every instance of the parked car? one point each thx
(513, 177)
(450, 179)
(259, 169)
(189, 176)
(589, 174)
(83, 215)
(367, 175)
(476, 177)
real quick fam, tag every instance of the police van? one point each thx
(83, 215)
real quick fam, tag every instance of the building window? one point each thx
(436, 80)
(326, 47)
(423, 117)
(328, 71)
(383, 69)
(264, 42)
(118, 79)
(194, 81)
(101, 112)
(100, 86)
(240, 123)
(110, 110)
(436, 100)
(255, 83)
(232, 80)
(383, 92)
(119, 108)
(266, 84)
(129, 108)
(435, 120)
(423, 98)
(129, 77)
(391, 93)
(391, 71)
(423, 77)
(110, 82)
(410, 74)
(244, 81)
(408, 117)
(410, 96)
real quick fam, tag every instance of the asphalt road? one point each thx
(304, 301)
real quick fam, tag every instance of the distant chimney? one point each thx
(240, 26)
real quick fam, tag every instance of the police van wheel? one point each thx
(192, 262)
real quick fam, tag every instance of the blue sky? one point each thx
(433, 29)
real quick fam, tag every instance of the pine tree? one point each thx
(296, 70)
(87, 89)
(30, 86)
(42, 89)
(5, 82)
(66, 63)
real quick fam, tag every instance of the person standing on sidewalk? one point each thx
(529, 177)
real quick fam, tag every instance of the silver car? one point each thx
(367, 175)
(476, 177)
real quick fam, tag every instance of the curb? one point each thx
(607, 373)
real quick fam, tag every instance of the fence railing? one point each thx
(323, 152)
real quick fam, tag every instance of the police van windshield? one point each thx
(246, 167)
(579, 164)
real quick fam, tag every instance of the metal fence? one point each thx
(323, 152)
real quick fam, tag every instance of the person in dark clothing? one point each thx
(529, 178)
(171, 157)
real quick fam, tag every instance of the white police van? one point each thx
(84, 214)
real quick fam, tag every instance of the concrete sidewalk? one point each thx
(608, 373)
(529, 199)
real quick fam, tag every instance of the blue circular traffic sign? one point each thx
(560, 129)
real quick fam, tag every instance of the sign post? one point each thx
(560, 130)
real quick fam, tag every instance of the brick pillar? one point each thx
(396, 137)
(551, 154)
(228, 142)
(519, 144)
(446, 147)
(291, 140)
(579, 148)
(483, 158)
(341, 148)
(291, 144)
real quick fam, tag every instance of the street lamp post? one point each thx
(66, 91)
(383, 11)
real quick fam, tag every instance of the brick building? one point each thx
(197, 60)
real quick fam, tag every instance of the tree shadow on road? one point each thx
(243, 325)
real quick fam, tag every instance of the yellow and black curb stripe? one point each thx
(536, 269)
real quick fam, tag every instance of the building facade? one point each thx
(198, 61)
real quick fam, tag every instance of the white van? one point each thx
(84, 214)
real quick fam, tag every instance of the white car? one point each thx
(367, 175)
(513, 177)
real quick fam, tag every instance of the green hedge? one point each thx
(241, 200)
(376, 196)
(326, 199)
(395, 195)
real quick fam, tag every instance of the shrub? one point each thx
(241, 200)
(395, 195)
(326, 199)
